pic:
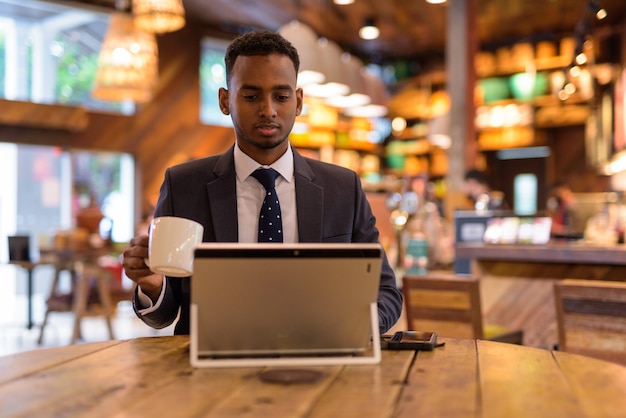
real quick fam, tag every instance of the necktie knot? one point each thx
(266, 176)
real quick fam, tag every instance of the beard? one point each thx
(265, 144)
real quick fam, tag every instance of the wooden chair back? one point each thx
(444, 303)
(591, 318)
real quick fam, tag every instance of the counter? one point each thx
(551, 261)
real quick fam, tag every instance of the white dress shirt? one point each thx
(250, 195)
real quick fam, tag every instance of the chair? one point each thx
(20, 255)
(591, 318)
(450, 305)
(79, 302)
(94, 290)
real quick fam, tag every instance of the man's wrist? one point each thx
(152, 287)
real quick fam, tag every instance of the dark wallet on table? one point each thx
(410, 340)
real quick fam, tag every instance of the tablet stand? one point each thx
(298, 361)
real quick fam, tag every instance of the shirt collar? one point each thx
(244, 165)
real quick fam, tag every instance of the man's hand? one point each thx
(137, 270)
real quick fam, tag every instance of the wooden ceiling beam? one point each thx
(47, 116)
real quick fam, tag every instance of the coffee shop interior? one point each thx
(531, 93)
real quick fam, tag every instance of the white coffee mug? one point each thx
(171, 245)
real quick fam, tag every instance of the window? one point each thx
(37, 198)
(212, 77)
(44, 187)
(108, 178)
(3, 25)
(49, 54)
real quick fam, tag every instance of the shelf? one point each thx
(540, 101)
(541, 64)
(557, 116)
(412, 147)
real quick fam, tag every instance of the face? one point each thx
(263, 102)
(564, 196)
(470, 187)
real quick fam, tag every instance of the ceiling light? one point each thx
(352, 68)
(378, 94)
(569, 88)
(337, 80)
(305, 41)
(369, 30)
(436, 1)
(343, 2)
(128, 62)
(159, 16)
(581, 58)
(398, 124)
(599, 11)
(325, 90)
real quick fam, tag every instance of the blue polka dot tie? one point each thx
(270, 222)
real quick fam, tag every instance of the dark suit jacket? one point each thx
(331, 207)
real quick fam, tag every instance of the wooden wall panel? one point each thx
(569, 163)
(47, 116)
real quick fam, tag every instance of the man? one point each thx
(319, 202)
(478, 191)
(561, 204)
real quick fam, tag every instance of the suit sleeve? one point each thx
(364, 230)
(167, 312)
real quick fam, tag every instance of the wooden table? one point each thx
(465, 378)
(84, 265)
(30, 267)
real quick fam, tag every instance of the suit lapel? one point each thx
(309, 201)
(222, 195)
(223, 201)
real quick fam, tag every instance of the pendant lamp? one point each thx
(128, 62)
(159, 16)
(305, 41)
(336, 82)
(369, 30)
(353, 68)
(377, 92)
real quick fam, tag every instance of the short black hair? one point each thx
(476, 175)
(260, 42)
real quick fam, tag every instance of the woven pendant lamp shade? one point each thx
(159, 16)
(128, 62)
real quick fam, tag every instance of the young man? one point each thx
(319, 202)
(561, 204)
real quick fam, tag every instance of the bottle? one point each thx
(416, 257)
